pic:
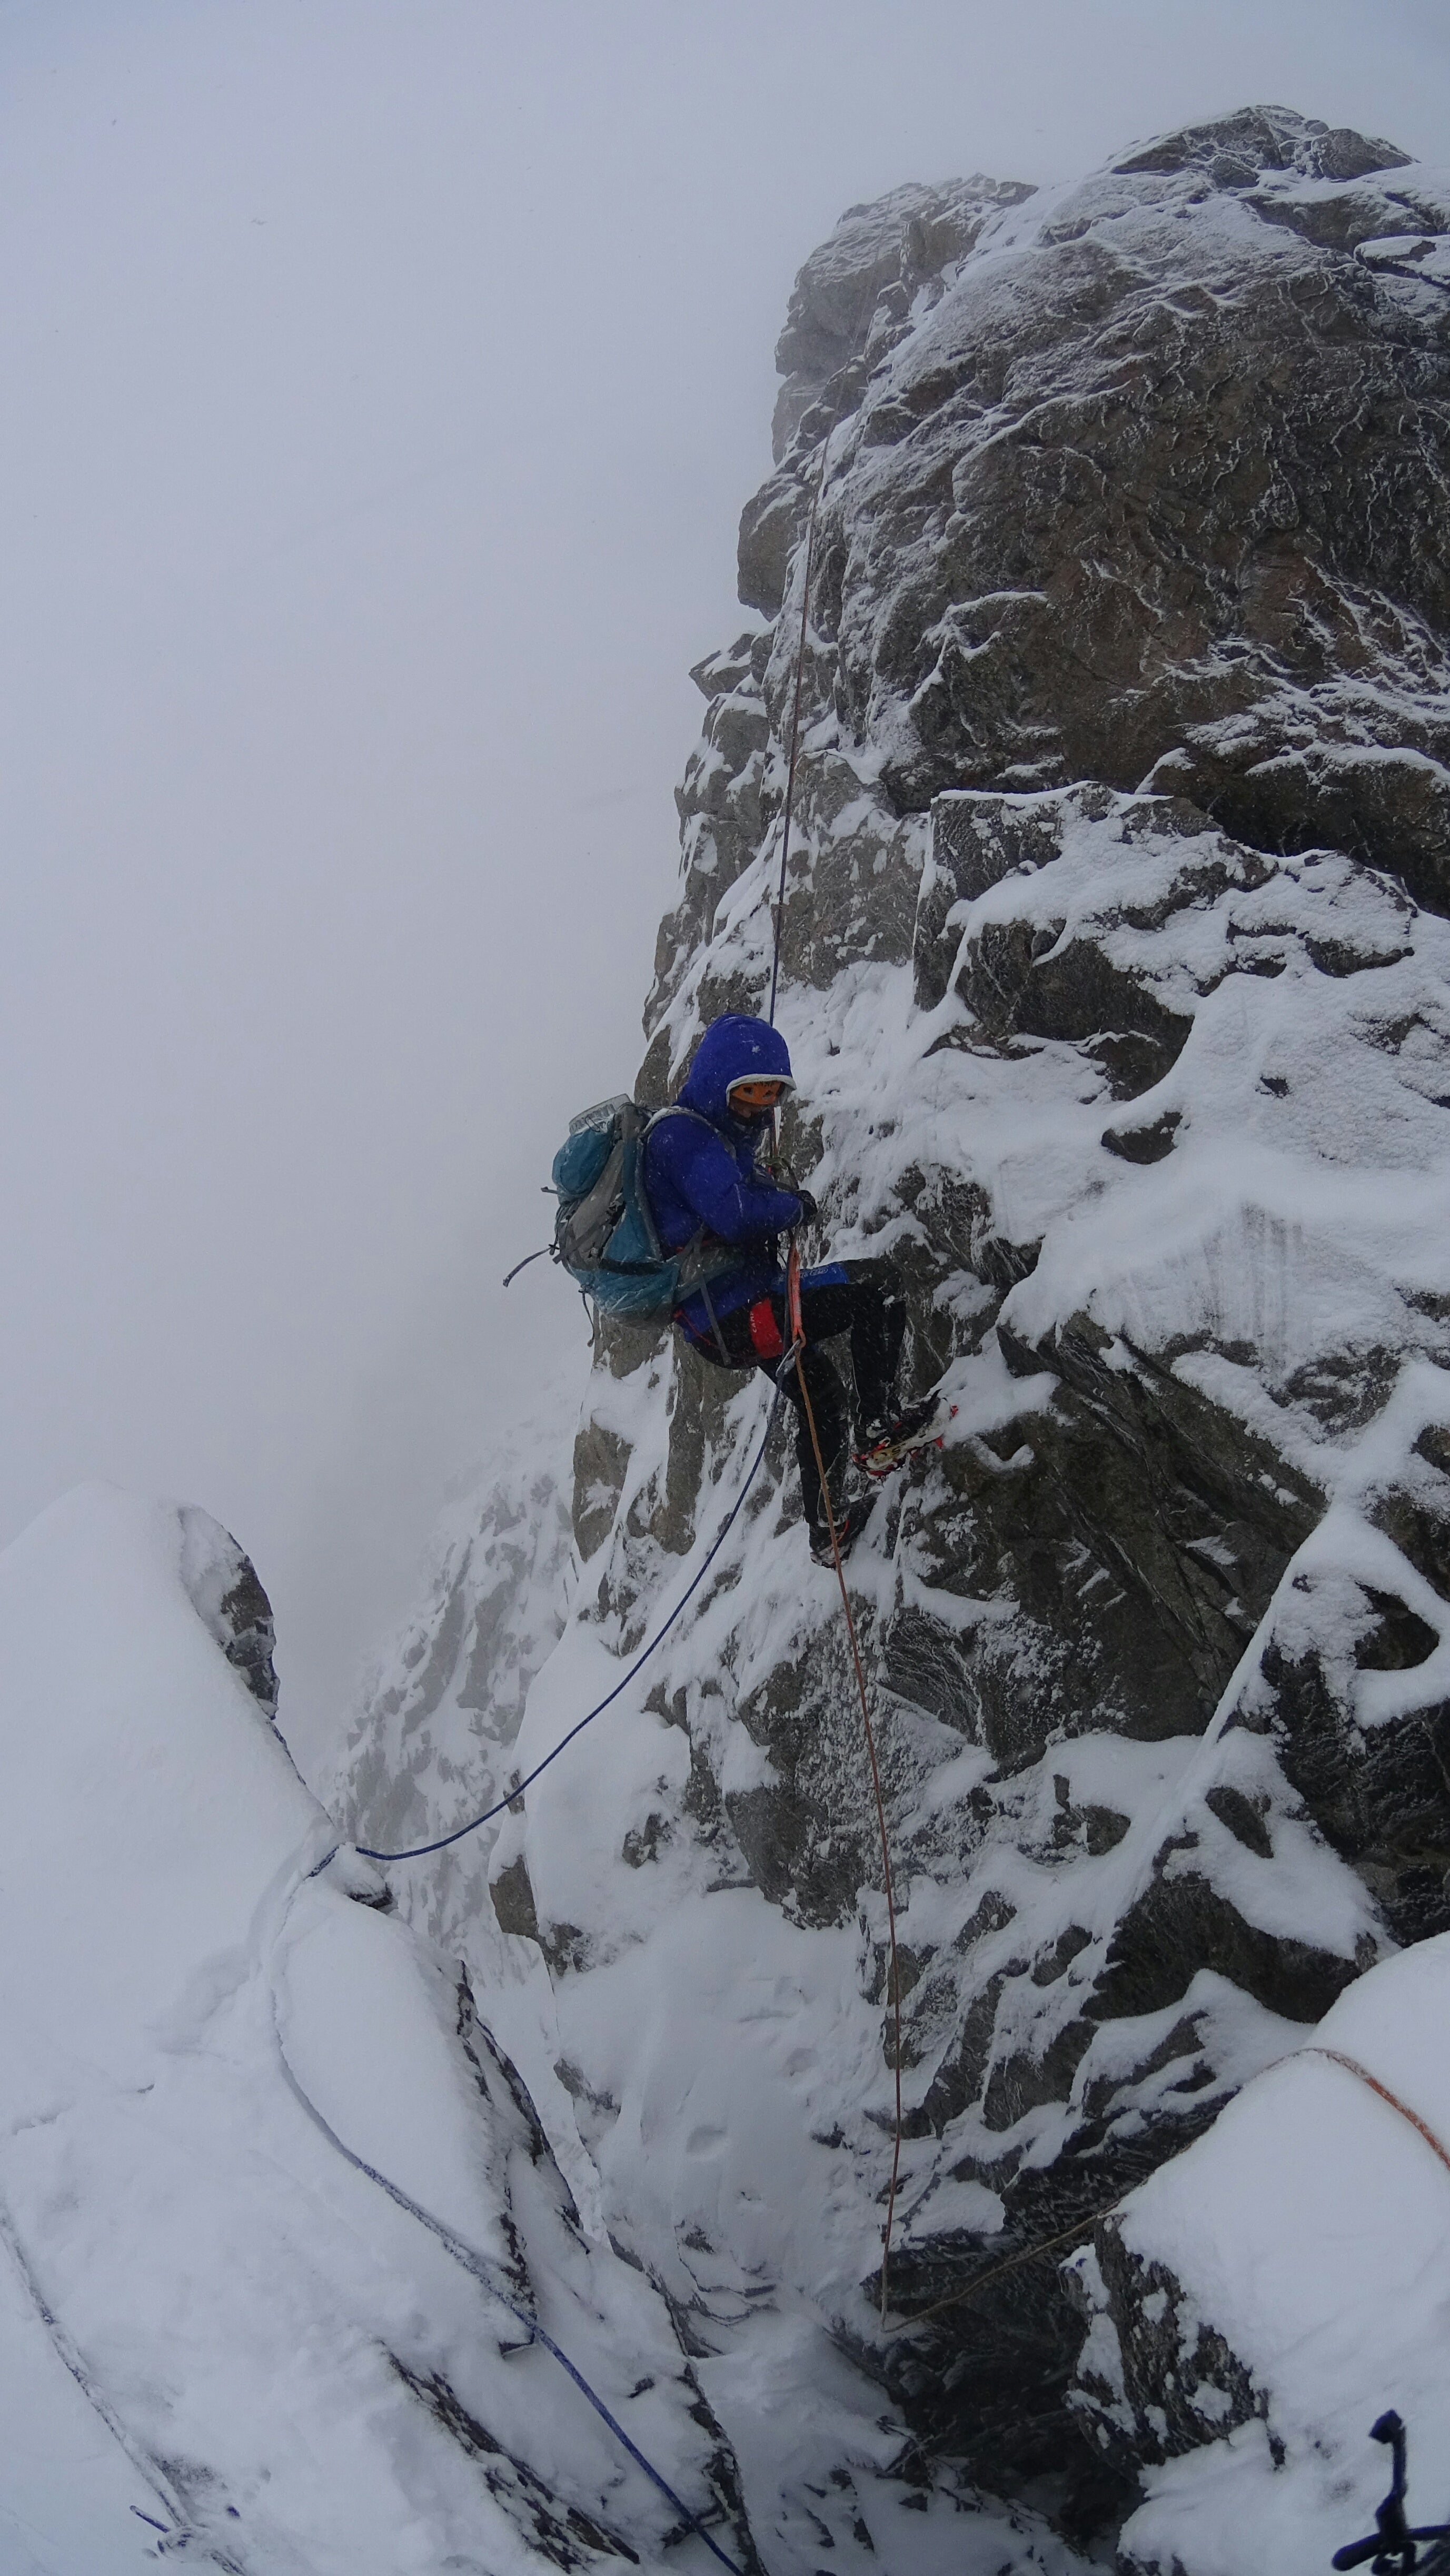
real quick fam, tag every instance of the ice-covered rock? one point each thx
(1116, 975)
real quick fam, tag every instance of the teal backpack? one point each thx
(605, 1234)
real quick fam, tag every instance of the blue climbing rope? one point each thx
(419, 1851)
(486, 2273)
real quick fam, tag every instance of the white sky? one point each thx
(383, 384)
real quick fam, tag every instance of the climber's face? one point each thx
(757, 1096)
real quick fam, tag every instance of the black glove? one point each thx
(809, 1210)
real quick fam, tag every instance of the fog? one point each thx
(383, 386)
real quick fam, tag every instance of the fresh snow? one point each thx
(1311, 2229)
(280, 2365)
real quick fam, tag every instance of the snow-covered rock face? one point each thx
(217, 2333)
(432, 1742)
(1116, 976)
(1153, 486)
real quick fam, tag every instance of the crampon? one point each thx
(916, 1426)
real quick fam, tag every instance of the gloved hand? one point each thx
(809, 1210)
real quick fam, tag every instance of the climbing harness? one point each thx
(418, 1851)
(795, 1359)
(486, 2274)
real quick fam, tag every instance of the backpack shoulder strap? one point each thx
(674, 1109)
(677, 1109)
(698, 1249)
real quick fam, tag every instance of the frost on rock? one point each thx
(1116, 976)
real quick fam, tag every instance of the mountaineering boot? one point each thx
(850, 1522)
(913, 1426)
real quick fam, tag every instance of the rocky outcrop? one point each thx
(1157, 495)
(226, 1592)
(1116, 973)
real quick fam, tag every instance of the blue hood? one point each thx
(733, 1049)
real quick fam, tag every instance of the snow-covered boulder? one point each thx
(218, 2331)
(1266, 2296)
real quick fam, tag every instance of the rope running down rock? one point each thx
(996, 2271)
(1352, 2066)
(418, 1851)
(1090, 2218)
(487, 2275)
(796, 1359)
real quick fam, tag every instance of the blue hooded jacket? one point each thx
(701, 1170)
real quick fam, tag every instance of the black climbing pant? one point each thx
(862, 1298)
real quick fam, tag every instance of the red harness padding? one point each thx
(765, 1333)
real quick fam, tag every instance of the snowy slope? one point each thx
(1116, 975)
(282, 2367)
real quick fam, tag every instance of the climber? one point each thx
(700, 1169)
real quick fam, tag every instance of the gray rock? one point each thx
(1137, 512)
(228, 1598)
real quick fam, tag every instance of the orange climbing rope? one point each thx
(996, 2271)
(1352, 2066)
(1091, 2217)
(795, 1358)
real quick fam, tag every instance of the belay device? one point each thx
(605, 1234)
